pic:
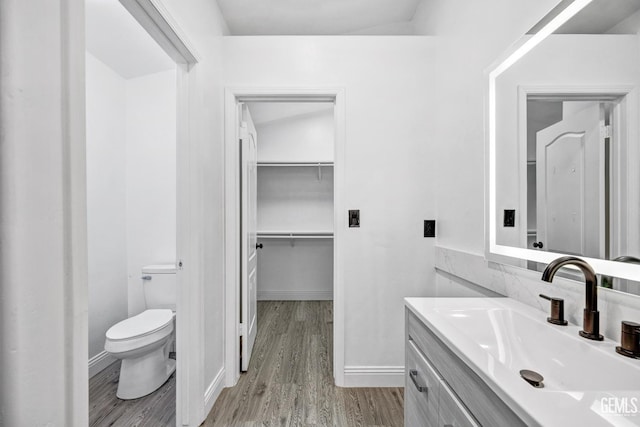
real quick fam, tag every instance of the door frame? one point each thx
(232, 215)
(158, 22)
(624, 130)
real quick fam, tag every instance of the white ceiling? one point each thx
(117, 40)
(318, 17)
(600, 16)
(267, 112)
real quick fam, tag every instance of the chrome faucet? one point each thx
(591, 316)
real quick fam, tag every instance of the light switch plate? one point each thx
(354, 218)
(429, 228)
(509, 218)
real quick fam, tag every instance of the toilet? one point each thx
(143, 341)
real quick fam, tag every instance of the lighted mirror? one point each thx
(563, 143)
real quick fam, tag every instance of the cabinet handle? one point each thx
(447, 425)
(413, 374)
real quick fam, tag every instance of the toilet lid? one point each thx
(144, 323)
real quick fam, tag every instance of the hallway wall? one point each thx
(151, 178)
(106, 200)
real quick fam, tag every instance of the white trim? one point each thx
(295, 295)
(374, 376)
(99, 362)
(76, 299)
(232, 269)
(154, 17)
(213, 391)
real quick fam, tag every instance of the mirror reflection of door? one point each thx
(570, 213)
(568, 176)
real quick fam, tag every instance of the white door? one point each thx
(569, 162)
(248, 156)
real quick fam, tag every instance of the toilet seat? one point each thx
(139, 332)
(145, 323)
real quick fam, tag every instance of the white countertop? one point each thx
(586, 382)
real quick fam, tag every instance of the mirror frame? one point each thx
(506, 254)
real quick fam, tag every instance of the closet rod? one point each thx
(294, 236)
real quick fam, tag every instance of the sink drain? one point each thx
(532, 377)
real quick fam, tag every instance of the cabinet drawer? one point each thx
(487, 408)
(451, 412)
(421, 407)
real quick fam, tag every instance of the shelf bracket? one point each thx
(319, 172)
(291, 239)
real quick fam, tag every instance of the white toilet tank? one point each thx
(159, 286)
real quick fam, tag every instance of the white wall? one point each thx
(43, 274)
(203, 26)
(131, 189)
(299, 269)
(151, 177)
(390, 171)
(293, 199)
(296, 199)
(304, 138)
(469, 37)
(106, 201)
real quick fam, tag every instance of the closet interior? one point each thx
(295, 188)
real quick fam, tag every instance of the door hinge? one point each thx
(242, 329)
(606, 131)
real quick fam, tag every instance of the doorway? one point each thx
(238, 291)
(137, 70)
(286, 207)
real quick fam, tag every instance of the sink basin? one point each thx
(497, 337)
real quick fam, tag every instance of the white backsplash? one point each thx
(466, 274)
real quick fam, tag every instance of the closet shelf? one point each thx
(295, 234)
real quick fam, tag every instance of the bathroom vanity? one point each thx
(464, 358)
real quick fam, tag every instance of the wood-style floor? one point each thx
(155, 410)
(290, 377)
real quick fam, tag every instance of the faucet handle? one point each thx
(557, 310)
(629, 340)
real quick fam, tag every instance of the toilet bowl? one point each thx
(142, 342)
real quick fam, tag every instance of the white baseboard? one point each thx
(213, 391)
(374, 376)
(295, 295)
(99, 362)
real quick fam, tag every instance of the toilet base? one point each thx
(143, 375)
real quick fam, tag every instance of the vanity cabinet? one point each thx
(446, 392)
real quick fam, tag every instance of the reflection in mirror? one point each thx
(567, 131)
